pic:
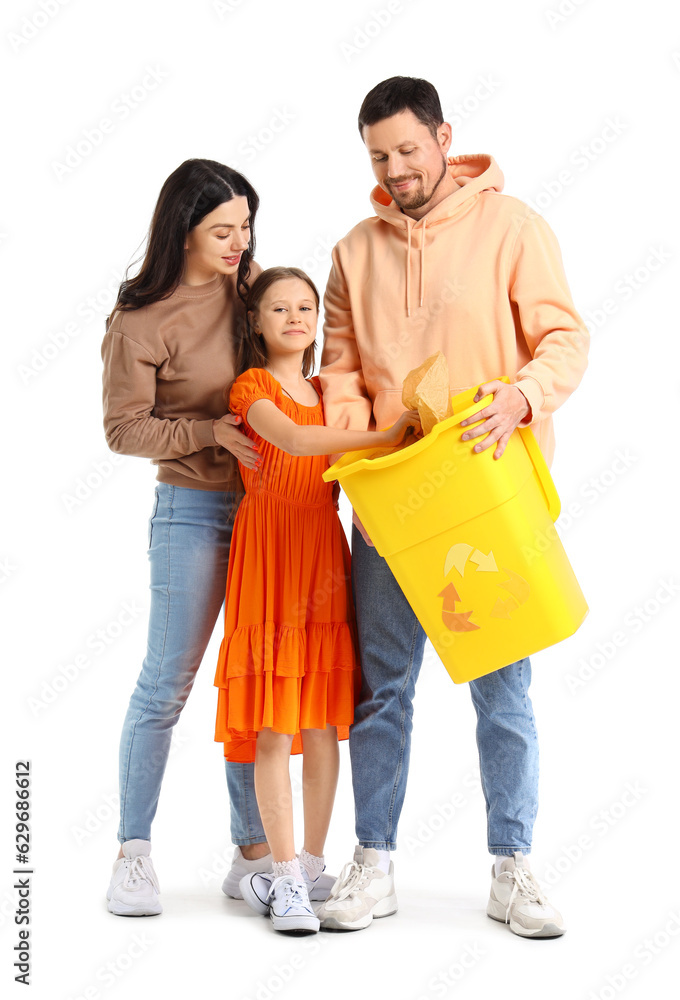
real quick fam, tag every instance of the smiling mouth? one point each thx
(233, 258)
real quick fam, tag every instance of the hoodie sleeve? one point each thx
(346, 402)
(554, 332)
(129, 396)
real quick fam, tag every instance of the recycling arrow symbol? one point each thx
(457, 557)
(455, 621)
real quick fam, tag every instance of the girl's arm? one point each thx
(274, 426)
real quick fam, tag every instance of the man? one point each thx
(447, 263)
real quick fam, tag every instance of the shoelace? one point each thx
(525, 885)
(139, 871)
(291, 891)
(352, 876)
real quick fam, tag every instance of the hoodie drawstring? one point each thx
(408, 268)
(422, 265)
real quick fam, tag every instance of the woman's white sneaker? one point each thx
(289, 907)
(362, 891)
(134, 889)
(517, 899)
(240, 868)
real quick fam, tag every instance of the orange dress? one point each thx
(288, 658)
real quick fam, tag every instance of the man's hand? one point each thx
(235, 441)
(500, 417)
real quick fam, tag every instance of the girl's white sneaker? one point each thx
(255, 889)
(134, 889)
(289, 907)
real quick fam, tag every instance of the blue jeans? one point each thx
(189, 539)
(391, 646)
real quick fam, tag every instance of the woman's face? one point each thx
(215, 245)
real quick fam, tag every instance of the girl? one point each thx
(167, 346)
(287, 669)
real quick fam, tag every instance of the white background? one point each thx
(531, 86)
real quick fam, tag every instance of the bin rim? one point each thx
(336, 471)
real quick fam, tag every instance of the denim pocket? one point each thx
(153, 514)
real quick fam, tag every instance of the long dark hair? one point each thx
(190, 193)
(251, 351)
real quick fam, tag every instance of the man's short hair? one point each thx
(402, 93)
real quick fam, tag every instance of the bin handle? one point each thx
(542, 472)
(545, 480)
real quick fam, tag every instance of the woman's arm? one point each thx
(274, 426)
(129, 396)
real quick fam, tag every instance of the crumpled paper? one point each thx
(426, 389)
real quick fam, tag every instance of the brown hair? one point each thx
(402, 93)
(251, 351)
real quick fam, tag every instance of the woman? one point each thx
(168, 354)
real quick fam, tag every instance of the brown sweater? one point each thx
(165, 369)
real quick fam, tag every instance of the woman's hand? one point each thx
(407, 425)
(239, 444)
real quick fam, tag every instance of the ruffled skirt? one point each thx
(288, 658)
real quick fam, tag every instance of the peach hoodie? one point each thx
(479, 277)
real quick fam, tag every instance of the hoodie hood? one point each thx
(472, 174)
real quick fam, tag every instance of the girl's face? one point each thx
(286, 317)
(215, 245)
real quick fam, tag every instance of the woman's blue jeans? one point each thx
(391, 646)
(189, 538)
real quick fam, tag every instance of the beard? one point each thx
(420, 197)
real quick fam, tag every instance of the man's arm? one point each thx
(555, 334)
(347, 404)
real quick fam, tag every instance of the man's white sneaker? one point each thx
(255, 888)
(289, 907)
(134, 888)
(362, 891)
(517, 899)
(240, 868)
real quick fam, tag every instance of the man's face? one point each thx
(408, 162)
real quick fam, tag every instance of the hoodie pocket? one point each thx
(387, 407)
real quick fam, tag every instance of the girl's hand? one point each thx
(407, 425)
(239, 444)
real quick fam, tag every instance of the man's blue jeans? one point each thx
(391, 646)
(189, 539)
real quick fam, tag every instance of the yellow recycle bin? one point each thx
(459, 530)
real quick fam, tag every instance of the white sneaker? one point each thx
(240, 868)
(517, 899)
(361, 892)
(255, 888)
(289, 907)
(134, 887)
